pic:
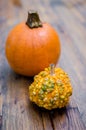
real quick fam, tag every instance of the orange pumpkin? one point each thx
(32, 46)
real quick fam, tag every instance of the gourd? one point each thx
(32, 46)
(51, 88)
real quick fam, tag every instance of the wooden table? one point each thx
(16, 111)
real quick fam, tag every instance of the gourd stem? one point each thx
(33, 20)
(52, 69)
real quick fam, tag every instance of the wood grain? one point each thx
(16, 2)
(69, 20)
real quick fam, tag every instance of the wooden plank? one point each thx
(47, 123)
(72, 43)
(16, 2)
(67, 118)
(16, 111)
(1, 102)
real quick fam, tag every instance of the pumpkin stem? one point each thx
(52, 69)
(33, 20)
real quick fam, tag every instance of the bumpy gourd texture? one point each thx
(51, 91)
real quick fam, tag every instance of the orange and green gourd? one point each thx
(51, 88)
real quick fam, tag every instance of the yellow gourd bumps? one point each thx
(51, 91)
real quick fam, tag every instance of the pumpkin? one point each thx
(51, 88)
(32, 46)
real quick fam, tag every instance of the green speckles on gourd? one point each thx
(44, 88)
(43, 73)
(62, 97)
(59, 83)
(51, 101)
(52, 91)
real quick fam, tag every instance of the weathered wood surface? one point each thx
(16, 111)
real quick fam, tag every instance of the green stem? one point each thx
(52, 69)
(33, 20)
